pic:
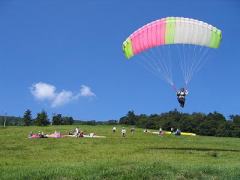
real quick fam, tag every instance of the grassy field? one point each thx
(138, 156)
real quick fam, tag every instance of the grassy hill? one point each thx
(138, 156)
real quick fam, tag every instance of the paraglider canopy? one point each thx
(172, 30)
(159, 41)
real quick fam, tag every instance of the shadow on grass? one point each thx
(192, 149)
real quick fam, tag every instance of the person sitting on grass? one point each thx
(71, 132)
(178, 132)
(81, 134)
(40, 134)
(30, 134)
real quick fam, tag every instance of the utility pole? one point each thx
(5, 119)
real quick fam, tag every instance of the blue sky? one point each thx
(68, 45)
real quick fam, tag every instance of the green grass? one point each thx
(138, 156)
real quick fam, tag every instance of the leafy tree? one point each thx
(212, 124)
(235, 125)
(112, 122)
(27, 118)
(67, 120)
(130, 118)
(235, 119)
(71, 120)
(142, 121)
(42, 119)
(11, 121)
(57, 119)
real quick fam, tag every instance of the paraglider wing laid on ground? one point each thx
(169, 133)
(94, 136)
(54, 135)
(184, 42)
(42, 135)
(91, 135)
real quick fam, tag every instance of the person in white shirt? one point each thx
(160, 131)
(181, 96)
(77, 131)
(132, 130)
(123, 132)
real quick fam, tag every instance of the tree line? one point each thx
(211, 124)
(41, 119)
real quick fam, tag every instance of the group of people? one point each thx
(76, 132)
(177, 132)
(41, 134)
(123, 131)
(37, 135)
(160, 132)
(73, 133)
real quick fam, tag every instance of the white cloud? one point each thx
(86, 91)
(43, 91)
(62, 98)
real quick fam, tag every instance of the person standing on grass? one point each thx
(114, 129)
(77, 132)
(160, 132)
(132, 130)
(123, 132)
